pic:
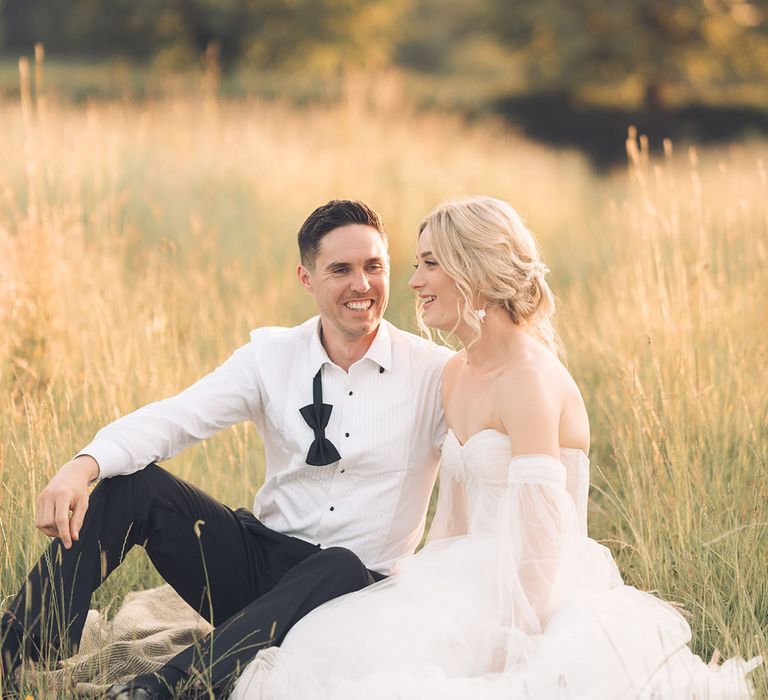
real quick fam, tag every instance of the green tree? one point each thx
(131, 28)
(269, 33)
(324, 33)
(570, 45)
(437, 32)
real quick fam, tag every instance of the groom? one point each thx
(348, 407)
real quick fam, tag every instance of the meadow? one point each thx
(140, 241)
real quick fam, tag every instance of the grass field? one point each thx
(140, 243)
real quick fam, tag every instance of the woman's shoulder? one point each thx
(453, 366)
(529, 382)
(529, 410)
(534, 369)
(534, 396)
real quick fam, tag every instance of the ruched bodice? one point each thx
(484, 467)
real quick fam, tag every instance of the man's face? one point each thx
(350, 280)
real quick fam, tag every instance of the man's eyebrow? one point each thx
(341, 263)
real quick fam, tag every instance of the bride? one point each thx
(509, 598)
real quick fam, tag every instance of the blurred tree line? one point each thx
(573, 47)
(580, 45)
(567, 69)
(264, 33)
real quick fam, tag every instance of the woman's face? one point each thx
(438, 298)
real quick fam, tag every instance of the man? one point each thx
(348, 407)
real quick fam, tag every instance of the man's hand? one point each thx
(67, 492)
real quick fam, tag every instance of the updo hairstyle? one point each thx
(483, 245)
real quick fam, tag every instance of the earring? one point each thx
(481, 314)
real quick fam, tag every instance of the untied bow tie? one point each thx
(317, 414)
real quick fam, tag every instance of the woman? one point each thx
(510, 598)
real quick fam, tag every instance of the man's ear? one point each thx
(304, 278)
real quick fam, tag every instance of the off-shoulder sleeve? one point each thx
(451, 517)
(535, 516)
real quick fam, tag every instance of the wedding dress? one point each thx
(509, 599)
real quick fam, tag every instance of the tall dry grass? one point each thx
(139, 243)
(674, 367)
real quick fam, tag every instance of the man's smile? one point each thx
(359, 304)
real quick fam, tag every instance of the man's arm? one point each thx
(160, 430)
(228, 395)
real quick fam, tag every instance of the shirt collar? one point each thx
(380, 351)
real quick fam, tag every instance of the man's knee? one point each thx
(343, 567)
(150, 479)
(150, 474)
(130, 497)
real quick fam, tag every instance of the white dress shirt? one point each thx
(387, 424)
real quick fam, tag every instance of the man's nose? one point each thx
(360, 282)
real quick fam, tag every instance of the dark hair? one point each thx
(338, 212)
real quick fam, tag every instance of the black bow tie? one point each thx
(322, 451)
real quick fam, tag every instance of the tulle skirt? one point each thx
(439, 629)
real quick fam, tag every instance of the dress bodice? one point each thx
(481, 466)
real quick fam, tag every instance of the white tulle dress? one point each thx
(509, 599)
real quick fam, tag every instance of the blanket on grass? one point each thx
(150, 628)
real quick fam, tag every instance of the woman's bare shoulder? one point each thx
(536, 396)
(453, 366)
(529, 408)
(534, 369)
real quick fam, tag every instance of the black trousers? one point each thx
(251, 583)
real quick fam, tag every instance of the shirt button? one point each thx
(332, 508)
(346, 434)
(350, 393)
(342, 471)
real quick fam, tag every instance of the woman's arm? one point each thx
(537, 510)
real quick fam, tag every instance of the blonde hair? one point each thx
(483, 245)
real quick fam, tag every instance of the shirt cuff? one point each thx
(110, 458)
